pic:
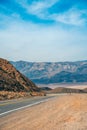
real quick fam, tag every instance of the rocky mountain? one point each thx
(53, 72)
(13, 80)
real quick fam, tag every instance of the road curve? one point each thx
(10, 106)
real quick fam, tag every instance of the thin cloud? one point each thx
(72, 17)
(38, 8)
(41, 9)
(22, 37)
(31, 42)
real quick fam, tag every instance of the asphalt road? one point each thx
(10, 106)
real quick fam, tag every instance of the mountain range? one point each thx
(53, 72)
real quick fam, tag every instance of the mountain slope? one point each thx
(66, 90)
(54, 72)
(13, 80)
(85, 90)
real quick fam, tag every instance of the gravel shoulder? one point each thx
(66, 112)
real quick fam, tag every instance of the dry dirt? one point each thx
(66, 112)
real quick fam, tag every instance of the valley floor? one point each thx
(66, 112)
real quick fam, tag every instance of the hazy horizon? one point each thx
(47, 61)
(43, 31)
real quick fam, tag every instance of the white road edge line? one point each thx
(23, 107)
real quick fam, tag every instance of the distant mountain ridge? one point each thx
(66, 90)
(54, 72)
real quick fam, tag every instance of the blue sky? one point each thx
(43, 30)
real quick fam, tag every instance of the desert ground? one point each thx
(65, 112)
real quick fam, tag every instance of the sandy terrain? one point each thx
(66, 112)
